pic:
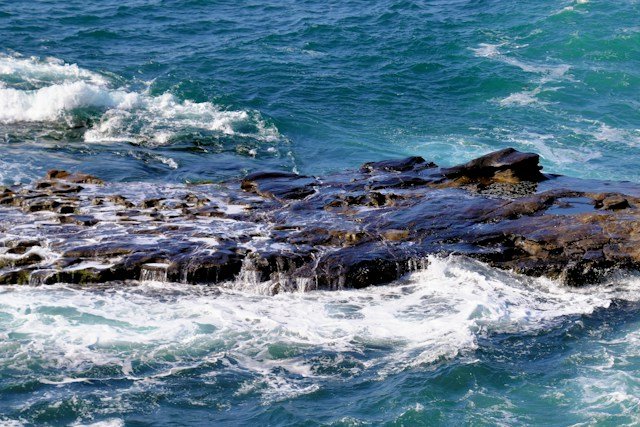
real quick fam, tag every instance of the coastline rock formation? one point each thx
(278, 231)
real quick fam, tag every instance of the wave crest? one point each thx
(64, 94)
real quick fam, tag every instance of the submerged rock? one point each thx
(278, 231)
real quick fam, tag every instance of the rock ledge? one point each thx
(277, 231)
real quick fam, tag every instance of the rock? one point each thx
(508, 166)
(195, 200)
(21, 246)
(63, 188)
(399, 181)
(40, 204)
(285, 232)
(399, 165)
(65, 209)
(15, 277)
(8, 200)
(78, 178)
(221, 266)
(280, 185)
(151, 203)
(120, 200)
(80, 276)
(28, 259)
(85, 220)
(101, 250)
(615, 202)
(206, 211)
(359, 267)
(395, 235)
(57, 174)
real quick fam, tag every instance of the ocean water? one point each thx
(198, 91)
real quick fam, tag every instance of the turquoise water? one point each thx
(189, 91)
(334, 84)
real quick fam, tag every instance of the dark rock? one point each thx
(29, 259)
(372, 199)
(63, 188)
(40, 204)
(151, 203)
(280, 185)
(347, 230)
(65, 209)
(615, 202)
(21, 246)
(57, 174)
(398, 165)
(195, 200)
(359, 267)
(398, 181)
(508, 165)
(86, 220)
(80, 276)
(221, 266)
(8, 200)
(16, 277)
(102, 250)
(78, 178)
(120, 200)
(207, 211)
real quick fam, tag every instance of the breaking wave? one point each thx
(33, 90)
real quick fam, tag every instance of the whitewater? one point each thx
(189, 91)
(58, 92)
(88, 354)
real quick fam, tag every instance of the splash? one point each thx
(285, 345)
(63, 94)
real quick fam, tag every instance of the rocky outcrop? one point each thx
(508, 166)
(278, 231)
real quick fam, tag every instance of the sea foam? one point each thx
(548, 72)
(155, 331)
(63, 94)
(52, 102)
(38, 73)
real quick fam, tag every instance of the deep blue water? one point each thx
(189, 91)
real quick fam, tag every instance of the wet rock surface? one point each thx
(277, 231)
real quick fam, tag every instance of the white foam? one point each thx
(51, 102)
(487, 50)
(433, 315)
(16, 173)
(572, 7)
(605, 380)
(44, 72)
(58, 91)
(606, 133)
(549, 148)
(547, 71)
(158, 119)
(602, 132)
(523, 98)
(113, 422)
(167, 161)
(64, 381)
